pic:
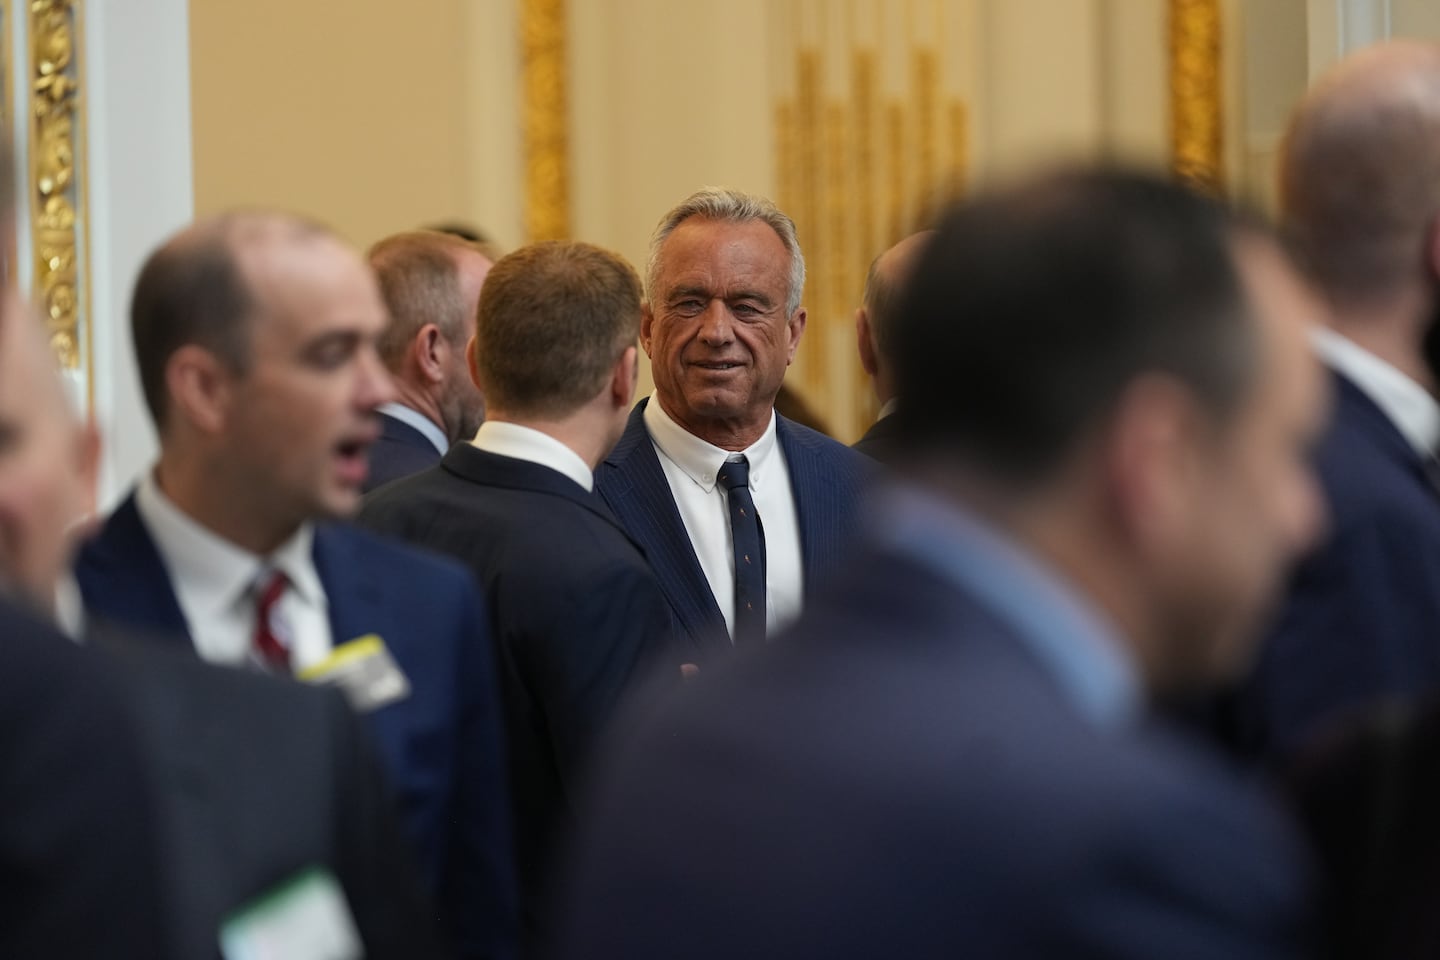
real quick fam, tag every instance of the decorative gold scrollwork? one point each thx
(55, 118)
(1195, 92)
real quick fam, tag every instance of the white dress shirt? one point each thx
(690, 466)
(1407, 404)
(532, 446)
(419, 421)
(215, 582)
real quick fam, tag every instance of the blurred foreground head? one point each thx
(1115, 371)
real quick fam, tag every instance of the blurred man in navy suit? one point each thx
(1361, 202)
(575, 610)
(740, 510)
(431, 283)
(1110, 399)
(255, 336)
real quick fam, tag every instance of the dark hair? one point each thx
(192, 290)
(1032, 309)
(420, 281)
(553, 319)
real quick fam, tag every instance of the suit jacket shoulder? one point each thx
(912, 757)
(79, 850)
(401, 451)
(259, 780)
(1358, 621)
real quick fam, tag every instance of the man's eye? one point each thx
(689, 306)
(746, 310)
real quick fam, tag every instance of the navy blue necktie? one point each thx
(748, 539)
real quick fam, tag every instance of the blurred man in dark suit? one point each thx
(79, 850)
(951, 754)
(431, 282)
(739, 510)
(255, 336)
(873, 323)
(1361, 202)
(575, 610)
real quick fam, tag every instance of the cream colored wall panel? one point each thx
(351, 112)
(1134, 91)
(1043, 86)
(488, 96)
(1415, 18)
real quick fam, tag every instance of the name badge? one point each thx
(364, 671)
(305, 918)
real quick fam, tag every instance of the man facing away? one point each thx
(431, 282)
(1360, 191)
(739, 510)
(950, 754)
(873, 322)
(576, 612)
(255, 337)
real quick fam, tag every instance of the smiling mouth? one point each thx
(719, 366)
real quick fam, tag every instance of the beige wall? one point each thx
(353, 113)
(400, 113)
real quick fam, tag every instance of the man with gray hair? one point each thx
(737, 508)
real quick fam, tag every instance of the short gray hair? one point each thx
(730, 206)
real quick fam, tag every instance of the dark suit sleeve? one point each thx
(1350, 633)
(613, 632)
(375, 864)
(479, 887)
(1196, 872)
(79, 874)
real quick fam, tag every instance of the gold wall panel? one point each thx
(547, 169)
(1196, 99)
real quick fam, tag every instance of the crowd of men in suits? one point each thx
(1114, 637)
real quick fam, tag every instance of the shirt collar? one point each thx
(887, 408)
(534, 446)
(1409, 406)
(216, 572)
(701, 460)
(1071, 639)
(419, 421)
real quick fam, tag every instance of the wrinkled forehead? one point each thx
(723, 250)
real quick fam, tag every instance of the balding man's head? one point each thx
(1360, 174)
(875, 318)
(197, 288)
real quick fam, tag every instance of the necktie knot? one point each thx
(734, 474)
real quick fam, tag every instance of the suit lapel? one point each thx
(1388, 436)
(633, 483)
(816, 511)
(354, 597)
(123, 578)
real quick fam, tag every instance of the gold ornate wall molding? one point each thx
(869, 132)
(55, 146)
(547, 173)
(1196, 97)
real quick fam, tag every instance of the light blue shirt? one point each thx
(1072, 640)
(427, 427)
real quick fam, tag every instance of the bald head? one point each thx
(199, 288)
(1360, 173)
(875, 318)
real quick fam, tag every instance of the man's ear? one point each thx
(1151, 453)
(472, 360)
(794, 328)
(865, 342)
(647, 321)
(201, 389)
(624, 378)
(429, 348)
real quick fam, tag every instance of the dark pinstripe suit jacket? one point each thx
(827, 479)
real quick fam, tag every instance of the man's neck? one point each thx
(233, 515)
(583, 432)
(735, 434)
(421, 401)
(1394, 331)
